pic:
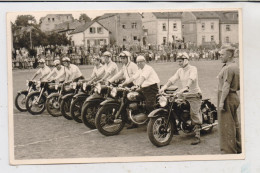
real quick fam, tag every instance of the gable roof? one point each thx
(68, 25)
(228, 17)
(82, 28)
(166, 15)
(205, 15)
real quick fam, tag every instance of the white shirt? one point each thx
(60, 74)
(188, 72)
(149, 75)
(44, 72)
(111, 68)
(72, 72)
(98, 71)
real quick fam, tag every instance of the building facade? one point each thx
(50, 21)
(229, 29)
(162, 28)
(125, 28)
(200, 28)
(90, 34)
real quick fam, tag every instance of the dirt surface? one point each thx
(46, 137)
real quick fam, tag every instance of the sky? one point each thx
(38, 15)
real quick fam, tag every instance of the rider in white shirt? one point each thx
(43, 71)
(98, 71)
(128, 70)
(72, 72)
(57, 73)
(110, 67)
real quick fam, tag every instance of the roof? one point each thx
(69, 25)
(206, 15)
(42, 18)
(104, 16)
(228, 17)
(82, 28)
(166, 15)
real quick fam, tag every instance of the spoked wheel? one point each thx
(65, 108)
(20, 101)
(106, 122)
(157, 132)
(34, 106)
(88, 114)
(75, 109)
(53, 105)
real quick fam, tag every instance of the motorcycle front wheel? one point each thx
(65, 108)
(75, 109)
(33, 106)
(88, 114)
(106, 122)
(20, 101)
(157, 133)
(53, 105)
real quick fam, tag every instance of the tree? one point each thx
(84, 17)
(23, 20)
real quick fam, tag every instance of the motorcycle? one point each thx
(173, 114)
(124, 106)
(67, 99)
(54, 100)
(35, 101)
(92, 104)
(78, 100)
(21, 95)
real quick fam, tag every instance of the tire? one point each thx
(21, 107)
(53, 105)
(107, 113)
(75, 109)
(157, 123)
(29, 103)
(88, 114)
(65, 107)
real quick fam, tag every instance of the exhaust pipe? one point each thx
(209, 125)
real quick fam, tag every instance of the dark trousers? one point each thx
(150, 93)
(229, 125)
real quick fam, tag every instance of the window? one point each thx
(53, 19)
(203, 39)
(203, 26)
(182, 26)
(135, 37)
(227, 39)
(92, 30)
(227, 27)
(164, 40)
(134, 25)
(67, 17)
(212, 26)
(100, 30)
(123, 26)
(164, 26)
(49, 19)
(212, 38)
(174, 26)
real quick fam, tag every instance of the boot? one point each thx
(196, 139)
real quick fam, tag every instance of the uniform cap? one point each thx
(56, 62)
(66, 59)
(107, 54)
(125, 53)
(140, 58)
(182, 55)
(41, 60)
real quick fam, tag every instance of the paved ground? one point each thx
(46, 137)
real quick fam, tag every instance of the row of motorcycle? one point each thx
(109, 107)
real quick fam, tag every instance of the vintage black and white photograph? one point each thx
(125, 86)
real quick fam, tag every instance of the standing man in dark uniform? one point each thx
(228, 103)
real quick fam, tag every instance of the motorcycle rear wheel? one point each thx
(155, 131)
(75, 109)
(20, 105)
(65, 108)
(88, 114)
(31, 98)
(55, 112)
(105, 120)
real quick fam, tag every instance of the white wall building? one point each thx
(90, 34)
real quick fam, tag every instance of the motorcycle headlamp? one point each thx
(163, 101)
(56, 86)
(132, 96)
(113, 92)
(38, 84)
(74, 85)
(98, 88)
(84, 86)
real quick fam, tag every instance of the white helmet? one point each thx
(56, 62)
(41, 60)
(140, 58)
(66, 59)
